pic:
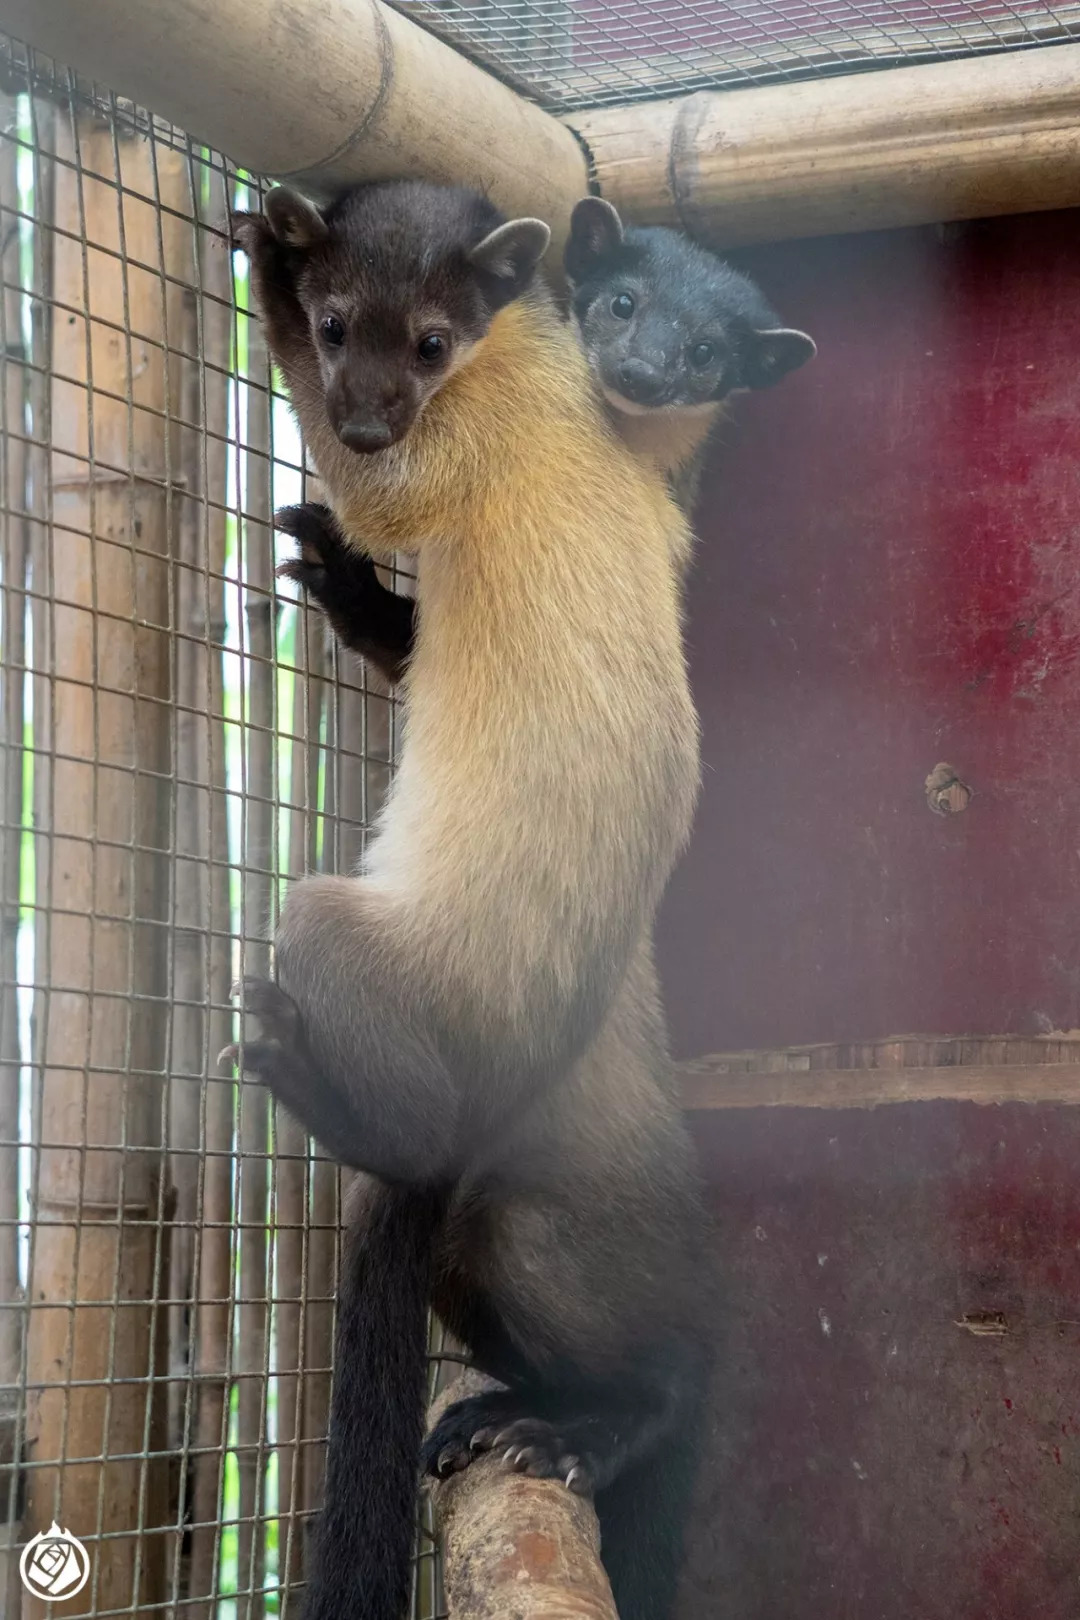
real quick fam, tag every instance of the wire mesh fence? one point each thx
(179, 740)
(575, 53)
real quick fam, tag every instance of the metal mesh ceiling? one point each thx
(573, 53)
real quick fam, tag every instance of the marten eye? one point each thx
(332, 331)
(702, 355)
(622, 306)
(431, 348)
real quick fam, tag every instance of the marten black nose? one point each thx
(365, 437)
(640, 382)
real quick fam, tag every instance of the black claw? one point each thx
(451, 1461)
(301, 572)
(277, 1013)
(310, 519)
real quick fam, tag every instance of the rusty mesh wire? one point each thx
(179, 740)
(575, 53)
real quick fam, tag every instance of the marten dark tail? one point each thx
(359, 1563)
(643, 1518)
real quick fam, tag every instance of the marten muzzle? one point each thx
(370, 407)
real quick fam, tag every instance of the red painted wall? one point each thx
(868, 1458)
(887, 578)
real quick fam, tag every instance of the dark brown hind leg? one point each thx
(279, 1057)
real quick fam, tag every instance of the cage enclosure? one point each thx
(883, 642)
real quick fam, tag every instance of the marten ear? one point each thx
(294, 220)
(250, 232)
(595, 231)
(509, 256)
(772, 354)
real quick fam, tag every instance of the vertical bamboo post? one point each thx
(319, 1331)
(14, 530)
(43, 116)
(358, 745)
(102, 869)
(324, 1211)
(190, 934)
(257, 904)
(201, 1101)
(293, 1162)
(212, 1259)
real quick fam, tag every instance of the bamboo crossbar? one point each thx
(353, 90)
(323, 95)
(914, 145)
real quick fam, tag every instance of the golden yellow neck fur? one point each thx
(550, 764)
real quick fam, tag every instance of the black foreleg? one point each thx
(366, 617)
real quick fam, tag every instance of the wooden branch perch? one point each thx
(517, 1548)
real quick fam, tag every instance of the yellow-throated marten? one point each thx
(474, 1019)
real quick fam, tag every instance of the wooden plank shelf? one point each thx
(991, 1070)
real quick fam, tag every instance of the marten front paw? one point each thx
(333, 574)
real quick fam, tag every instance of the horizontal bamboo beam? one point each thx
(353, 90)
(324, 95)
(906, 146)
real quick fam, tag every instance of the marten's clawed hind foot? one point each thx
(365, 616)
(501, 1421)
(280, 1058)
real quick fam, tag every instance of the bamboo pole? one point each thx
(212, 1262)
(14, 528)
(201, 1108)
(324, 1219)
(318, 1332)
(101, 866)
(43, 120)
(293, 1163)
(347, 91)
(516, 1546)
(947, 140)
(977, 136)
(190, 882)
(252, 1350)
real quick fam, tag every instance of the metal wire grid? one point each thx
(178, 741)
(576, 53)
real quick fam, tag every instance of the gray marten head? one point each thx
(664, 322)
(398, 281)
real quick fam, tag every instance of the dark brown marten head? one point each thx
(398, 281)
(665, 323)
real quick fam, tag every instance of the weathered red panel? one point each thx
(888, 579)
(868, 1457)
